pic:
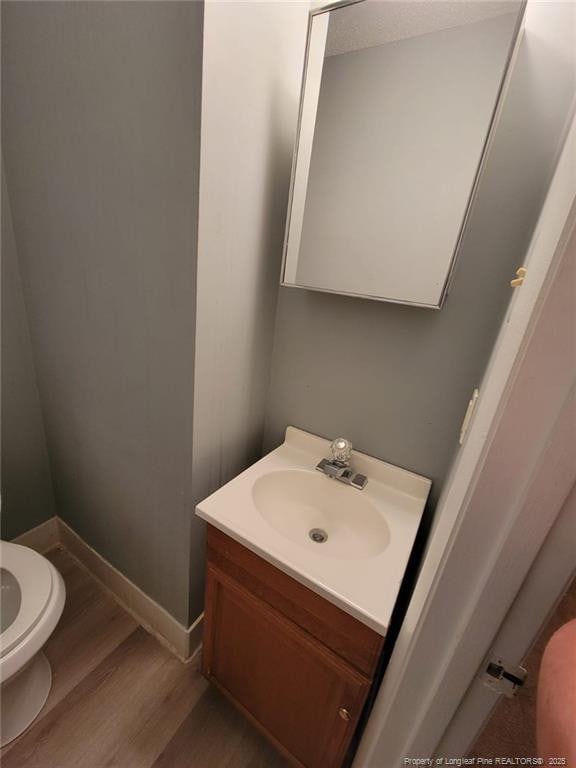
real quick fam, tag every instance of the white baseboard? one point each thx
(43, 538)
(183, 641)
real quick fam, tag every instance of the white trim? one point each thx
(184, 642)
(434, 651)
(180, 640)
(42, 538)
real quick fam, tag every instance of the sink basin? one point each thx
(329, 518)
(350, 546)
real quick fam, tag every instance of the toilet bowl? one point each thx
(32, 601)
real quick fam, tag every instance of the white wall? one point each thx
(253, 57)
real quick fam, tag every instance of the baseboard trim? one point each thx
(195, 633)
(184, 642)
(42, 538)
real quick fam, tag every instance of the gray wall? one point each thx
(394, 144)
(252, 67)
(27, 496)
(396, 380)
(101, 128)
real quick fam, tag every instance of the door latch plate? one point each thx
(504, 678)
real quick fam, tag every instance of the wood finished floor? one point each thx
(119, 699)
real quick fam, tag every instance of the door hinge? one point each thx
(468, 415)
(504, 678)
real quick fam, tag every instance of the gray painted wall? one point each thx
(394, 144)
(396, 380)
(27, 496)
(101, 128)
(252, 67)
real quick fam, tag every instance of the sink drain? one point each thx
(318, 535)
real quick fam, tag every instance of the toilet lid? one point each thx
(34, 577)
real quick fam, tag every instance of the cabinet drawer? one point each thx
(337, 630)
(301, 694)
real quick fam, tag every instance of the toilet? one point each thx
(32, 601)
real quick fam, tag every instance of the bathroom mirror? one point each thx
(398, 103)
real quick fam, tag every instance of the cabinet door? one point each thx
(301, 694)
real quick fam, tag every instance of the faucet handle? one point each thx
(341, 450)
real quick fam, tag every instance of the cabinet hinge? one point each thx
(468, 415)
(504, 678)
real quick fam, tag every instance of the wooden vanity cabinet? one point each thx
(299, 667)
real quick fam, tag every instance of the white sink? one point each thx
(328, 518)
(350, 546)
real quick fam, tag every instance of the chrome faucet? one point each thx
(338, 467)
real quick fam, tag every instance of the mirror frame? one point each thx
(494, 118)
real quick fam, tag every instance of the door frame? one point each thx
(474, 566)
(550, 576)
